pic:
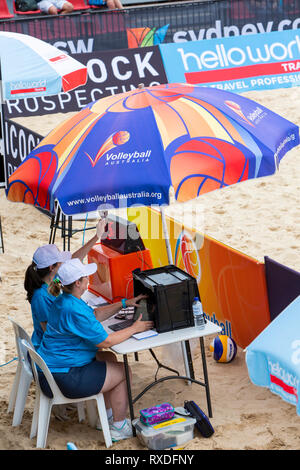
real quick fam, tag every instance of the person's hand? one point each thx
(140, 325)
(100, 228)
(134, 302)
(114, 4)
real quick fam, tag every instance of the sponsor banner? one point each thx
(232, 285)
(270, 60)
(283, 381)
(152, 25)
(109, 73)
(18, 142)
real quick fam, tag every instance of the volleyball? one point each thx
(224, 348)
(121, 137)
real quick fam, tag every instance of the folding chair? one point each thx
(43, 404)
(79, 5)
(23, 377)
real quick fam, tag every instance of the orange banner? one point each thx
(232, 285)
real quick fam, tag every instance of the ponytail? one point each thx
(34, 279)
(55, 288)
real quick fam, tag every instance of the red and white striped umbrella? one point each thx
(31, 67)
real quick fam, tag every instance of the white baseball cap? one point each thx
(47, 255)
(74, 269)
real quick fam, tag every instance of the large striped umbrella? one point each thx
(134, 146)
(31, 67)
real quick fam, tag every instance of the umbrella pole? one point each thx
(188, 371)
(166, 235)
(3, 135)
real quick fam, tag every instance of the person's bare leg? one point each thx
(106, 356)
(116, 388)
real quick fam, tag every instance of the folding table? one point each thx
(133, 345)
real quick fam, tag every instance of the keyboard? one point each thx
(121, 325)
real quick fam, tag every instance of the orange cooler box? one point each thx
(113, 278)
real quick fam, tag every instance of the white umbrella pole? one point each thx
(4, 184)
(170, 259)
(166, 235)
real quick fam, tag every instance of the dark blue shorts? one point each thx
(79, 382)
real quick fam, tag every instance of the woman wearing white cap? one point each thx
(41, 291)
(73, 338)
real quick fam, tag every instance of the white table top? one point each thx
(132, 345)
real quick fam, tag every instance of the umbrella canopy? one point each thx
(31, 67)
(134, 146)
(273, 358)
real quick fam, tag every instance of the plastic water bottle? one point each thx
(198, 314)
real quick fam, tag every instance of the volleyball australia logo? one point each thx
(238, 110)
(115, 157)
(256, 115)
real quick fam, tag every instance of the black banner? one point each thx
(146, 26)
(19, 141)
(109, 73)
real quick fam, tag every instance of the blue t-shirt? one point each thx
(71, 335)
(41, 303)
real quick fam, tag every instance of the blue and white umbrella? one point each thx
(273, 358)
(31, 68)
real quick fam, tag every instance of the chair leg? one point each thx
(43, 421)
(24, 384)
(34, 424)
(103, 419)
(14, 390)
(91, 413)
(80, 411)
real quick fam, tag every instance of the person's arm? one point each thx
(43, 325)
(83, 251)
(119, 336)
(105, 312)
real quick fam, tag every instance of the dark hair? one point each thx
(34, 279)
(69, 288)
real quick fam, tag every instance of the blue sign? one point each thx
(238, 64)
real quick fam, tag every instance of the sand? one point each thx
(258, 218)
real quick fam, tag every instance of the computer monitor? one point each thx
(122, 236)
(170, 294)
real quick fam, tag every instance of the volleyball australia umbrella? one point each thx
(135, 146)
(30, 67)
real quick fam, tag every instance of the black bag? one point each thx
(202, 422)
(26, 5)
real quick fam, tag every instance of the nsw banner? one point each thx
(238, 64)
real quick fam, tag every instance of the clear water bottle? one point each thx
(199, 319)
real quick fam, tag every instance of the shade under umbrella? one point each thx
(134, 146)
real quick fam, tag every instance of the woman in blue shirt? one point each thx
(73, 341)
(41, 290)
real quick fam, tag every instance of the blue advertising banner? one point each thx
(238, 64)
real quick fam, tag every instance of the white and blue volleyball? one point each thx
(224, 348)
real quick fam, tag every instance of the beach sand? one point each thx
(259, 218)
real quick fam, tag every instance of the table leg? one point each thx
(205, 377)
(130, 403)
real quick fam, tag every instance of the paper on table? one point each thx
(92, 300)
(145, 334)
